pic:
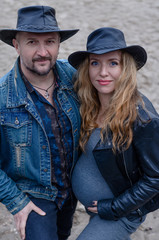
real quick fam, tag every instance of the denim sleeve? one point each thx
(10, 195)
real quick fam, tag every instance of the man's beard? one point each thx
(40, 72)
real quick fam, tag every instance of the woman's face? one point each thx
(104, 71)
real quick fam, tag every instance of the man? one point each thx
(39, 128)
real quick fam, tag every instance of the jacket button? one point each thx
(45, 170)
(69, 109)
(43, 147)
(16, 121)
(75, 130)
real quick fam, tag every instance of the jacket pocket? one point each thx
(17, 127)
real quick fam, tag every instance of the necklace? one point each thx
(46, 90)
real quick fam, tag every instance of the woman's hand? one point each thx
(94, 208)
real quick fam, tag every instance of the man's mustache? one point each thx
(41, 59)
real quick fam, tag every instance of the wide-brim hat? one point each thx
(36, 19)
(104, 40)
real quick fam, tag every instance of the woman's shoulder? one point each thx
(147, 122)
(148, 105)
(146, 110)
(147, 116)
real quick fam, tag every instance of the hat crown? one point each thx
(37, 17)
(105, 38)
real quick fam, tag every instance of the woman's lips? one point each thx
(104, 82)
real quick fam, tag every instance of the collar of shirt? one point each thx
(30, 87)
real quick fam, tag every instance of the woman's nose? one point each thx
(104, 70)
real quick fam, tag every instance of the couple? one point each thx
(96, 134)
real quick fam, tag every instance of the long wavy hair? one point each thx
(122, 110)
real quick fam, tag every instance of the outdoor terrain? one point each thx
(139, 20)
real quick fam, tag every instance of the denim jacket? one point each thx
(25, 160)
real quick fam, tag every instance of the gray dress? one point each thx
(87, 181)
(89, 185)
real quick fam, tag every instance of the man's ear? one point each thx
(16, 45)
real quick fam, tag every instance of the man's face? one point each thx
(38, 51)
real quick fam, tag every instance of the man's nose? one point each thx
(42, 50)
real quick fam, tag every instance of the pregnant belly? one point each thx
(88, 183)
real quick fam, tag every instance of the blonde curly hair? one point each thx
(122, 110)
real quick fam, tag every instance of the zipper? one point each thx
(137, 210)
(126, 169)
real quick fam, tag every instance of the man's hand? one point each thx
(21, 217)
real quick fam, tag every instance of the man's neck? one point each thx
(38, 80)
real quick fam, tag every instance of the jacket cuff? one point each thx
(105, 210)
(18, 204)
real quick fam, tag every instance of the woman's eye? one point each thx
(113, 63)
(94, 63)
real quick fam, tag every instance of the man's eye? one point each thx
(31, 42)
(51, 41)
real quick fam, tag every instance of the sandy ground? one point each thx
(138, 19)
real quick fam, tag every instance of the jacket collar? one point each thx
(64, 80)
(17, 94)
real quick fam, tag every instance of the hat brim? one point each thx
(137, 52)
(7, 35)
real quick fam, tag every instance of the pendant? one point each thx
(46, 94)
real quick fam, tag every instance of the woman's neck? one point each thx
(104, 105)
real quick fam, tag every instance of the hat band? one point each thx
(106, 47)
(33, 27)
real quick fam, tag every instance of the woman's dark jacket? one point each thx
(132, 175)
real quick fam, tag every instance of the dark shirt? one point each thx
(58, 130)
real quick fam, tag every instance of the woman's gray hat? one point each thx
(104, 40)
(35, 19)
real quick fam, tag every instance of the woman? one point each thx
(117, 174)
